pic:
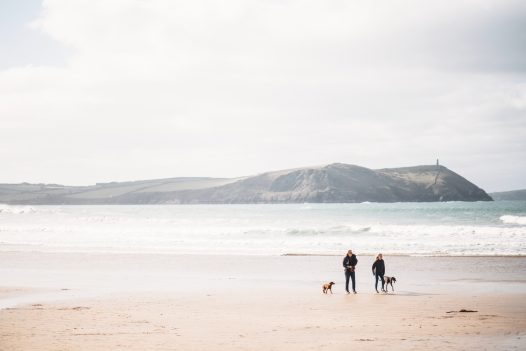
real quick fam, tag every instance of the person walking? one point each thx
(379, 271)
(349, 264)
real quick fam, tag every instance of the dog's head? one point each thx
(331, 283)
(393, 279)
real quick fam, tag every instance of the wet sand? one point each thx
(67, 301)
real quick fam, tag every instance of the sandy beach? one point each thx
(68, 301)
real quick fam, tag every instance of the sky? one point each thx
(114, 90)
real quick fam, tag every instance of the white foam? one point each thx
(16, 209)
(513, 219)
(254, 230)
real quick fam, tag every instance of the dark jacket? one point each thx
(379, 267)
(349, 262)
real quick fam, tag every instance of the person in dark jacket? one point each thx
(349, 263)
(379, 271)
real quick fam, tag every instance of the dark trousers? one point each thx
(381, 277)
(349, 274)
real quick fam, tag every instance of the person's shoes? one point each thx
(348, 292)
(377, 291)
(354, 291)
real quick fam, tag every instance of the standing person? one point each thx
(379, 271)
(349, 263)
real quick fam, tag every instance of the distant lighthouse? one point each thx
(437, 162)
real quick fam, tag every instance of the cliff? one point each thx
(334, 183)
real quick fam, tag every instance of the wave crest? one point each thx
(509, 219)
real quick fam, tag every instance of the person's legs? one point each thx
(376, 283)
(347, 276)
(353, 282)
(383, 283)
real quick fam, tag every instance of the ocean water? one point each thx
(452, 228)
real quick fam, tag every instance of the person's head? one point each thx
(349, 253)
(379, 257)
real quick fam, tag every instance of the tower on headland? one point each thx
(438, 173)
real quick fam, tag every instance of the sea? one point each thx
(420, 229)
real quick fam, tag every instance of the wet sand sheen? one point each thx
(182, 302)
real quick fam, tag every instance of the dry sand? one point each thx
(147, 302)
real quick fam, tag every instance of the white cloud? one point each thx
(174, 88)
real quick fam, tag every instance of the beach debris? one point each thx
(76, 308)
(462, 311)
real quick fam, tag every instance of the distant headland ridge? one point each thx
(333, 183)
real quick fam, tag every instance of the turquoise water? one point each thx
(432, 213)
(452, 228)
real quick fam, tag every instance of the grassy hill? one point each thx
(327, 184)
(509, 195)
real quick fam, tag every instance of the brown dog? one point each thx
(389, 281)
(327, 287)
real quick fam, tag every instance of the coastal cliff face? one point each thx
(334, 183)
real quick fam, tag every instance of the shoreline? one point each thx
(407, 255)
(125, 272)
(88, 302)
(288, 254)
(195, 302)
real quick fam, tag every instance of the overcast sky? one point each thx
(102, 90)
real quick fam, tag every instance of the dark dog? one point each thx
(389, 281)
(327, 287)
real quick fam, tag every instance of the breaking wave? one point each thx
(426, 229)
(509, 219)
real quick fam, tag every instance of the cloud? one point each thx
(169, 88)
